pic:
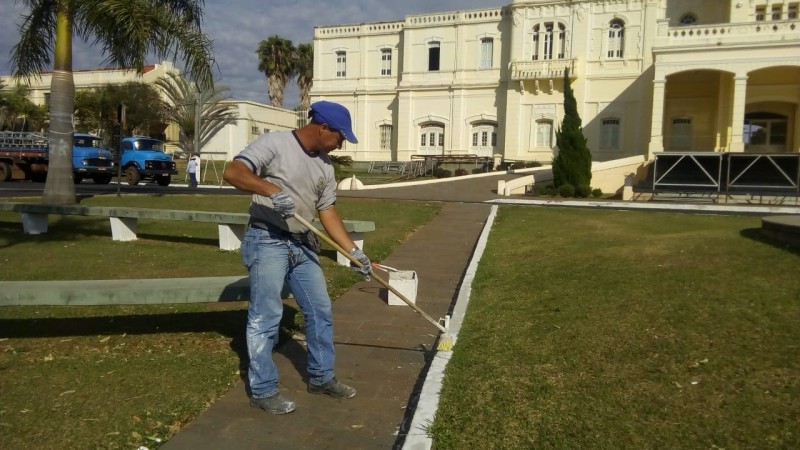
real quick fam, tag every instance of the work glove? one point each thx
(366, 265)
(283, 204)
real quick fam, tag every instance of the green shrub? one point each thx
(566, 190)
(461, 172)
(582, 191)
(596, 193)
(550, 190)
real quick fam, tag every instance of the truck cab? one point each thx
(90, 159)
(143, 158)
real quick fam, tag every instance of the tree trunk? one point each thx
(59, 188)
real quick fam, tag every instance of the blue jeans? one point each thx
(271, 259)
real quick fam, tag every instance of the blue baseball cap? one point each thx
(334, 116)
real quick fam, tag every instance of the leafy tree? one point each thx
(17, 111)
(184, 102)
(304, 69)
(277, 58)
(573, 164)
(96, 109)
(127, 32)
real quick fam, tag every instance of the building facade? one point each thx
(648, 75)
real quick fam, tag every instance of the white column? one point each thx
(737, 118)
(657, 123)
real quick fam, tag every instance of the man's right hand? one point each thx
(283, 204)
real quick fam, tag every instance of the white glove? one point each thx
(366, 264)
(283, 204)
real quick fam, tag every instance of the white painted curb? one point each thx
(417, 437)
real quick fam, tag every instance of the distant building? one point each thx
(252, 118)
(648, 75)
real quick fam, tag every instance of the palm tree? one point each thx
(304, 69)
(185, 99)
(276, 58)
(128, 31)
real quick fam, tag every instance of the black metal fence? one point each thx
(727, 173)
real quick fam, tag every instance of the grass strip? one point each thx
(607, 329)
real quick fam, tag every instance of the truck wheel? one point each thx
(163, 180)
(5, 171)
(102, 179)
(132, 176)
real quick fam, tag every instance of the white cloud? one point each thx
(237, 26)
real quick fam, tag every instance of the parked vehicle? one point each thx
(29, 152)
(143, 158)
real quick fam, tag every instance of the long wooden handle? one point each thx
(380, 280)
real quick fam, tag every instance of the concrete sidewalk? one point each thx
(382, 351)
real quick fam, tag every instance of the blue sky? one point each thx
(237, 26)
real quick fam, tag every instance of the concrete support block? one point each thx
(123, 228)
(34, 223)
(230, 236)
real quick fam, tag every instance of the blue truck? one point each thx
(143, 158)
(28, 153)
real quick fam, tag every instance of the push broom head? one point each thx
(446, 341)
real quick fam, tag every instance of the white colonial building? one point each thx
(648, 76)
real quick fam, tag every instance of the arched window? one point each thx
(535, 43)
(616, 39)
(547, 51)
(688, 19)
(562, 40)
(431, 139)
(484, 138)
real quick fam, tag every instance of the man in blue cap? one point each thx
(288, 173)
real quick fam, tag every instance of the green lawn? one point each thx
(607, 330)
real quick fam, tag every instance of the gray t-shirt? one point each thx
(308, 178)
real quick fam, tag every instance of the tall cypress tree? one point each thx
(573, 165)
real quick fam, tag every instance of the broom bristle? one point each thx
(445, 343)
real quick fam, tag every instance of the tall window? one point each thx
(487, 50)
(609, 134)
(341, 64)
(616, 39)
(484, 138)
(432, 139)
(386, 62)
(681, 134)
(761, 13)
(433, 56)
(535, 43)
(386, 137)
(544, 133)
(562, 40)
(547, 51)
(791, 12)
(776, 12)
